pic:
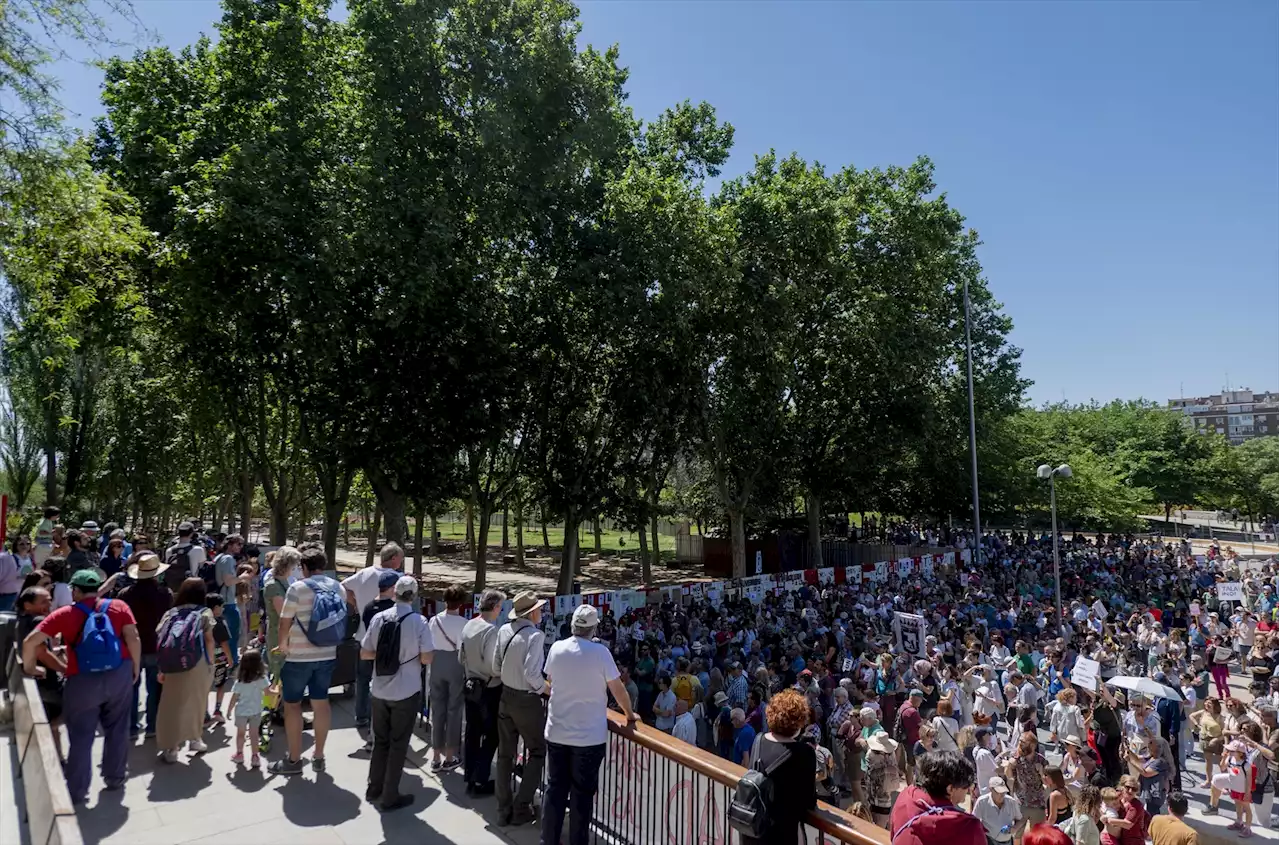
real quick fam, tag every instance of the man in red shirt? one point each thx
(927, 814)
(91, 698)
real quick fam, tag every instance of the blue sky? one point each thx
(1118, 159)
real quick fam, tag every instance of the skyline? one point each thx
(1118, 160)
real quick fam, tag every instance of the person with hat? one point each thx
(998, 811)
(884, 774)
(578, 672)
(397, 696)
(519, 663)
(149, 599)
(184, 557)
(101, 661)
(478, 652)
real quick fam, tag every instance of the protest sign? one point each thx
(566, 604)
(882, 571)
(909, 631)
(759, 562)
(926, 565)
(948, 558)
(827, 576)
(1085, 674)
(905, 565)
(853, 574)
(1195, 608)
(1230, 591)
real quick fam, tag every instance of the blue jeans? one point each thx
(573, 774)
(231, 618)
(151, 674)
(364, 677)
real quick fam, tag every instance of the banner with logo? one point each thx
(909, 631)
(853, 574)
(881, 573)
(926, 565)
(905, 566)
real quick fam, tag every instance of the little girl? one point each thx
(246, 702)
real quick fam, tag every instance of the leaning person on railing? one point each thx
(578, 672)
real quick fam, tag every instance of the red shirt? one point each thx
(69, 622)
(954, 827)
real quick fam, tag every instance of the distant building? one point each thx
(1237, 415)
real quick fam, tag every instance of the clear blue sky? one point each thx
(1118, 159)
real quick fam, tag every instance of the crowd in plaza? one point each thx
(133, 640)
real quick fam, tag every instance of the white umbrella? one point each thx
(1145, 686)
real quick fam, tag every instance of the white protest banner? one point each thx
(1085, 674)
(1100, 609)
(909, 631)
(502, 616)
(905, 565)
(1230, 591)
(566, 604)
(948, 558)
(1195, 608)
(759, 562)
(966, 555)
(1200, 559)
(926, 565)
(672, 593)
(697, 590)
(882, 571)
(847, 666)
(853, 574)
(827, 576)
(715, 594)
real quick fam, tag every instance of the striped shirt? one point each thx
(298, 602)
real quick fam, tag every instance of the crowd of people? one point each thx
(129, 639)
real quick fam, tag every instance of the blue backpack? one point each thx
(328, 623)
(99, 647)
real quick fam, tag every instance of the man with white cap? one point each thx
(404, 639)
(518, 662)
(578, 672)
(998, 810)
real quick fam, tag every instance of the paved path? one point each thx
(208, 799)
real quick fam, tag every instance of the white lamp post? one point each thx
(1046, 471)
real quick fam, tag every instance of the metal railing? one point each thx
(657, 790)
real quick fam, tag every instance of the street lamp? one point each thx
(1046, 471)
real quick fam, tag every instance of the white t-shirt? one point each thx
(364, 585)
(446, 631)
(578, 670)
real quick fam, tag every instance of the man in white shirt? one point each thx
(998, 811)
(185, 548)
(397, 694)
(362, 588)
(686, 728)
(447, 679)
(579, 672)
(519, 663)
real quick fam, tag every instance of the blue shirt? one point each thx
(743, 738)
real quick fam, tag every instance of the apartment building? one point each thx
(1237, 415)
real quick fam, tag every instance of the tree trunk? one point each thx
(435, 536)
(393, 521)
(50, 454)
(653, 525)
(506, 519)
(812, 508)
(136, 524)
(418, 525)
(372, 532)
(346, 527)
(334, 518)
(595, 528)
(471, 527)
(246, 503)
(569, 556)
(520, 537)
(738, 542)
(646, 572)
(481, 556)
(546, 541)
(279, 522)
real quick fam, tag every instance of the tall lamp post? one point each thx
(1046, 471)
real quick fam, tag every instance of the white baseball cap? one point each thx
(406, 585)
(585, 616)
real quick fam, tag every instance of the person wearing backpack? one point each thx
(399, 643)
(313, 621)
(779, 789)
(184, 655)
(102, 659)
(928, 813)
(184, 558)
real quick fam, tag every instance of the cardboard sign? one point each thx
(847, 665)
(1086, 674)
(966, 555)
(1231, 591)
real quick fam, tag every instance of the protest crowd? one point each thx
(926, 695)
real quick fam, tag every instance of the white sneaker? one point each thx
(169, 756)
(197, 746)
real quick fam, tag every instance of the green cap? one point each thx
(86, 579)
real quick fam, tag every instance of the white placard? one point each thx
(847, 665)
(1085, 674)
(948, 558)
(715, 595)
(1230, 591)
(882, 571)
(966, 555)
(909, 631)
(1195, 608)
(566, 604)
(759, 562)
(905, 565)
(827, 576)
(853, 574)
(1100, 609)
(926, 565)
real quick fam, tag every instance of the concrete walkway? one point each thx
(208, 799)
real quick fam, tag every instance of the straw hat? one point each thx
(524, 604)
(146, 566)
(882, 742)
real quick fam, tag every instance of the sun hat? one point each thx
(146, 566)
(1072, 739)
(720, 698)
(525, 603)
(882, 742)
(86, 579)
(997, 784)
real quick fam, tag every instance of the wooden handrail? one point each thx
(830, 820)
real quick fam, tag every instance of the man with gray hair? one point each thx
(361, 589)
(579, 672)
(481, 693)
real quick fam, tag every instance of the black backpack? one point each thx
(386, 659)
(754, 796)
(208, 573)
(179, 567)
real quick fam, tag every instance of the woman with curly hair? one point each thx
(794, 787)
